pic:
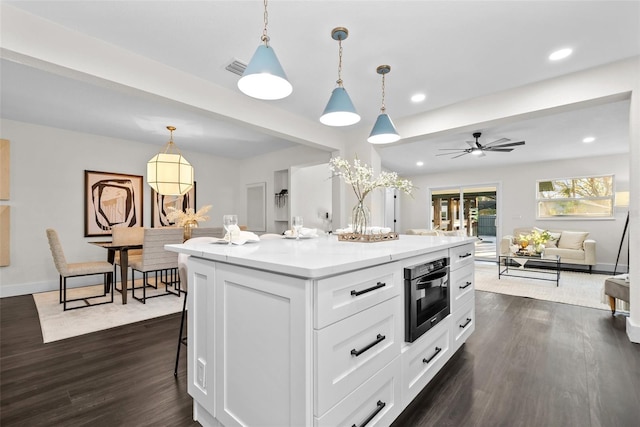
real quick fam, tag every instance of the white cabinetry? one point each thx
(267, 348)
(462, 288)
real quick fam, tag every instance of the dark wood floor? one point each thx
(529, 363)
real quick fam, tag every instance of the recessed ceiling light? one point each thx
(560, 54)
(588, 139)
(418, 97)
(419, 163)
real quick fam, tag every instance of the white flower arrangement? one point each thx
(181, 218)
(360, 177)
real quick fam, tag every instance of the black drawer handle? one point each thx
(373, 288)
(372, 415)
(357, 353)
(465, 286)
(438, 350)
(468, 254)
(465, 323)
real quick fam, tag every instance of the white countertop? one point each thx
(318, 257)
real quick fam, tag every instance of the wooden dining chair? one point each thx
(78, 269)
(158, 261)
(184, 286)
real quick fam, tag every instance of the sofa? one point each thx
(573, 247)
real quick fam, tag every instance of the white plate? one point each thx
(235, 242)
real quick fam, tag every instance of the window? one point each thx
(587, 197)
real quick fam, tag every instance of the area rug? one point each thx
(57, 324)
(575, 288)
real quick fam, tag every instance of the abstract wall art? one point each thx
(160, 205)
(111, 199)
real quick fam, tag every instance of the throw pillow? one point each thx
(553, 241)
(572, 239)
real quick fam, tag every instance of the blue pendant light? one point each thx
(339, 110)
(264, 77)
(383, 132)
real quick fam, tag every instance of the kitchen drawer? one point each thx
(377, 400)
(341, 296)
(464, 323)
(351, 351)
(462, 286)
(423, 358)
(461, 256)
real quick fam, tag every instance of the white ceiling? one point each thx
(450, 50)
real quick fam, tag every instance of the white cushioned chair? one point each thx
(155, 259)
(67, 270)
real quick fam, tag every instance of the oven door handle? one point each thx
(357, 353)
(428, 280)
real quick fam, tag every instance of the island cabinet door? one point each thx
(201, 348)
(377, 402)
(354, 349)
(463, 325)
(461, 256)
(263, 348)
(423, 358)
(461, 284)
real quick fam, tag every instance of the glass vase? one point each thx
(360, 216)
(188, 227)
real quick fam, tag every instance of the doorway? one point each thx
(472, 210)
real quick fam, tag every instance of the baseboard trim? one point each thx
(46, 286)
(633, 331)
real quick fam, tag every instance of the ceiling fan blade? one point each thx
(452, 149)
(444, 154)
(472, 144)
(498, 141)
(511, 144)
(501, 150)
(460, 155)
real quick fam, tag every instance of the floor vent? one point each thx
(236, 67)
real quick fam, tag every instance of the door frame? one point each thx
(460, 188)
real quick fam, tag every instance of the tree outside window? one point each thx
(585, 197)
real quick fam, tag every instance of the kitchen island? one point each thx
(310, 332)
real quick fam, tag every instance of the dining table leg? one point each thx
(124, 267)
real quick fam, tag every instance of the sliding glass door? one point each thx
(471, 210)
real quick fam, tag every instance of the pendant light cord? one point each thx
(265, 37)
(339, 81)
(383, 108)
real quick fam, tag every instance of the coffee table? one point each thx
(518, 265)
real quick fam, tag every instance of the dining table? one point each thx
(123, 249)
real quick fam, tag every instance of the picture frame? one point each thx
(111, 199)
(160, 203)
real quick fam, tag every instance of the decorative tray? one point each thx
(367, 238)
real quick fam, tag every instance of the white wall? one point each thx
(261, 169)
(311, 195)
(518, 184)
(47, 187)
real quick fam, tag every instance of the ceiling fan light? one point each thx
(476, 151)
(264, 77)
(383, 132)
(339, 110)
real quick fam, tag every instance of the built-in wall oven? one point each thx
(426, 296)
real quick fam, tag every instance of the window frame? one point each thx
(574, 217)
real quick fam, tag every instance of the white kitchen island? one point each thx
(275, 326)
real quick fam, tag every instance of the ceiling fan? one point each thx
(478, 149)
